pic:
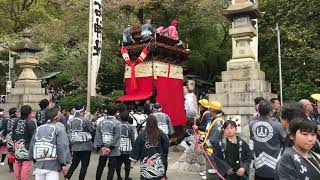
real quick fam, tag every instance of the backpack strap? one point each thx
(134, 118)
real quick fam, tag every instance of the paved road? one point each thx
(172, 173)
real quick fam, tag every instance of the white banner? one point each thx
(96, 43)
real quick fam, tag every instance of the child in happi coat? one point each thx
(3, 146)
(7, 132)
(40, 115)
(233, 155)
(126, 144)
(299, 161)
(22, 133)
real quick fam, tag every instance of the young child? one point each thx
(3, 146)
(40, 115)
(126, 144)
(298, 161)
(290, 111)
(8, 134)
(233, 155)
(22, 133)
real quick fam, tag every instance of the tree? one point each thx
(299, 42)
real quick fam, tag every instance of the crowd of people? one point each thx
(284, 141)
(57, 141)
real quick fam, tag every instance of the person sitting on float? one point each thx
(147, 30)
(171, 31)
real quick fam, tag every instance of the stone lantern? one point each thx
(241, 13)
(27, 90)
(27, 50)
(243, 81)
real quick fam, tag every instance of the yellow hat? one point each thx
(316, 97)
(215, 105)
(204, 103)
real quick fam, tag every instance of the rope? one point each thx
(195, 139)
(212, 166)
(150, 42)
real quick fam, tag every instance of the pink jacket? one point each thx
(172, 32)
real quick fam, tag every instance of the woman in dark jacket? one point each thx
(151, 148)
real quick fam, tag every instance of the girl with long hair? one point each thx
(151, 148)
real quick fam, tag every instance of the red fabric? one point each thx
(143, 91)
(125, 55)
(170, 96)
(142, 56)
(135, 97)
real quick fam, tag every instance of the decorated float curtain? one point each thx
(125, 55)
(142, 91)
(170, 96)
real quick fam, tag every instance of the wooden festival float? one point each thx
(157, 72)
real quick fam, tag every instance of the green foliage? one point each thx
(62, 28)
(68, 102)
(300, 43)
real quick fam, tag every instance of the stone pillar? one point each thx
(243, 80)
(27, 90)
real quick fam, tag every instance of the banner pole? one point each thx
(89, 58)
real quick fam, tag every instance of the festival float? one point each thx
(154, 69)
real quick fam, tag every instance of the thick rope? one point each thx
(195, 139)
(212, 166)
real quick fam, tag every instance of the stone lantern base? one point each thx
(26, 92)
(237, 91)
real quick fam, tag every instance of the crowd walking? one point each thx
(283, 142)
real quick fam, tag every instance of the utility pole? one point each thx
(279, 61)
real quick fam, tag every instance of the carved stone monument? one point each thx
(243, 80)
(27, 90)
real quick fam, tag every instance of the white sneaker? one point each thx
(202, 173)
(2, 164)
(212, 171)
(203, 177)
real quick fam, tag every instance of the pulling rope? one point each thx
(202, 146)
(212, 166)
(195, 139)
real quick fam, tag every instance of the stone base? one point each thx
(241, 84)
(239, 99)
(26, 92)
(18, 100)
(244, 63)
(28, 84)
(190, 161)
(242, 75)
